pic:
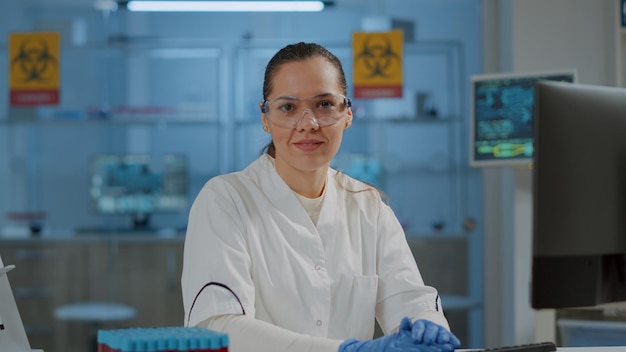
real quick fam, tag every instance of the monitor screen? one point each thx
(501, 127)
(579, 196)
(138, 184)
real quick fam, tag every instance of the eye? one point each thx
(287, 107)
(326, 104)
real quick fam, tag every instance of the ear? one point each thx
(349, 119)
(265, 123)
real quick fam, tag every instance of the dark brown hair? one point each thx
(292, 53)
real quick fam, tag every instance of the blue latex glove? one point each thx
(401, 341)
(428, 333)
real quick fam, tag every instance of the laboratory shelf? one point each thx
(455, 303)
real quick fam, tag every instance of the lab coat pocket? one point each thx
(362, 307)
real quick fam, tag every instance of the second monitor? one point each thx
(501, 127)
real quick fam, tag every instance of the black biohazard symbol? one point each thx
(35, 62)
(377, 58)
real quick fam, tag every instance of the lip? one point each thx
(308, 144)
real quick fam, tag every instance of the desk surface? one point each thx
(593, 349)
(577, 349)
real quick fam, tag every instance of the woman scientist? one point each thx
(291, 255)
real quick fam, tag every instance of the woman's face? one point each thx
(307, 146)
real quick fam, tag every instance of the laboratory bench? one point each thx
(141, 271)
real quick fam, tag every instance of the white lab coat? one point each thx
(248, 232)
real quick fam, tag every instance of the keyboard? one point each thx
(531, 347)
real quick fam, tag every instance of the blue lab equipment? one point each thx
(162, 339)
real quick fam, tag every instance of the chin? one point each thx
(311, 163)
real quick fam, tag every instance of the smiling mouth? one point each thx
(308, 145)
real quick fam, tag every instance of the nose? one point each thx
(309, 123)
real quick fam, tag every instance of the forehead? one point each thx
(306, 78)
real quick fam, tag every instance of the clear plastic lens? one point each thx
(325, 110)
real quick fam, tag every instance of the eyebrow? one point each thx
(291, 97)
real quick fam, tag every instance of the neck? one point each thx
(307, 183)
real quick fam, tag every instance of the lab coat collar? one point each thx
(282, 197)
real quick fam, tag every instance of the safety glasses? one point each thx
(324, 110)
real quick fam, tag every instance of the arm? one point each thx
(402, 291)
(247, 334)
(216, 265)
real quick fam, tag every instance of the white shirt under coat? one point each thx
(248, 232)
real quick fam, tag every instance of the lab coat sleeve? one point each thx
(216, 266)
(435, 316)
(247, 334)
(401, 292)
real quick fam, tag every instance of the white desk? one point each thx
(592, 349)
(575, 349)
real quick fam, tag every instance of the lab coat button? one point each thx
(318, 267)
(318, 323)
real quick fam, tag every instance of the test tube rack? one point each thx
(162, 339)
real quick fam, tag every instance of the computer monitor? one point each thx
(501, 116)
(579, 184)
(139, 185)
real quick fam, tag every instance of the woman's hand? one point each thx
(421, 336)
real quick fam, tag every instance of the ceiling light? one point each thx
(105, 5)
(225, 6)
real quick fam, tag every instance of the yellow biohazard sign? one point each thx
(34, 68)
(377, 66)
